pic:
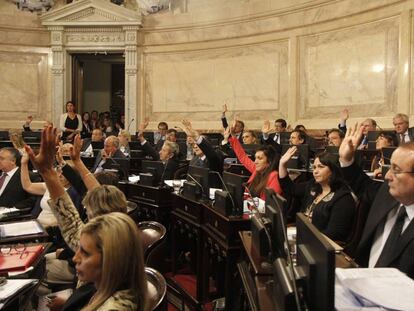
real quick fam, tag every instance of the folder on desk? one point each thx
(21, 259)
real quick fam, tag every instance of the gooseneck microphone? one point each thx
(130, 122)
(196, 182)
(225, 188)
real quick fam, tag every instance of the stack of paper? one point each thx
(13, 286)
(373, 289)
(20, 228)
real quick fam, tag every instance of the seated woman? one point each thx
(98, 201)
(327, 200)
(124, 139)
(263, 169)
(46, 217)
(384, 140)
(110, 256)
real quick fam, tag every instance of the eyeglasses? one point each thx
(14, 250)
(395, 171)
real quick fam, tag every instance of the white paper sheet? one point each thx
(20, 228)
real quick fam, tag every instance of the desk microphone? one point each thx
(198, 184)
(225, 188)
(130, 122)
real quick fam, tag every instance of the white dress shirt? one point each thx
(381, 235)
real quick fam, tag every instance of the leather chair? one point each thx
(154, 245)
(157, 290)
(132, 210)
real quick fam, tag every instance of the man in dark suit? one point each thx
(111, 156)
(402, 128)
(96, 136)
(388, 236)
(11, 190)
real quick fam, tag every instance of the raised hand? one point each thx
(288, 155)
(266, 128)
(75, 150)
(225, 108)
(344, 115)
(25, 158)
(188, 129)
(350, 143)
(43, 161)
(143, 125)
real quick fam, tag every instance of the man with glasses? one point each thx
(388, 236)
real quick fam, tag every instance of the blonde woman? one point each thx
(110, 256)
(124, 138)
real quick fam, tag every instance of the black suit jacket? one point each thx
(14, 194)
(171, 165)
(376, 195)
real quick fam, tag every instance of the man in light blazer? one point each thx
(402, 128)
(388, 235)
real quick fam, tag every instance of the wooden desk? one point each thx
(212, 245)
(153, 203)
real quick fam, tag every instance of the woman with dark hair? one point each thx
(326, 199)
(262, 168)
(70, 122)
(86, 125)
(384, 140)
(94, 119)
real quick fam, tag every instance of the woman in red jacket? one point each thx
(262, 168)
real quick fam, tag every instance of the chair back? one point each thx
(152, 234)
(157, 289)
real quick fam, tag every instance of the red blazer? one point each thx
(272, 180)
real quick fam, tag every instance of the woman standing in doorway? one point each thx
(70, 122)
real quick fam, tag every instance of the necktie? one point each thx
(393, 238)
(402, 138)
(2, 179)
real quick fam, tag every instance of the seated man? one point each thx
(111, 155)
(388, 235)
(11, 189)
(97, 136)
(368, 125)
(160, 136)
(402, 128)
(335, 137)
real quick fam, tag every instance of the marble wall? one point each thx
(303, 60)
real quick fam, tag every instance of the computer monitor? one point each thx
(31, 136)
(316, 264)
(250, 149)
(300, 160)
(373, 135)
(135, 145)
(230, 202)
(268, 229)
(200, 176)
(284, 138)
(152, 173)
(332, 149)
(4, 135)
(149, 137)
(121, 165)
(97, 144)
(387, 153)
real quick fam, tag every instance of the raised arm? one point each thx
(27, 184)
(283, 172)
(87, 177)
(68, 217)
